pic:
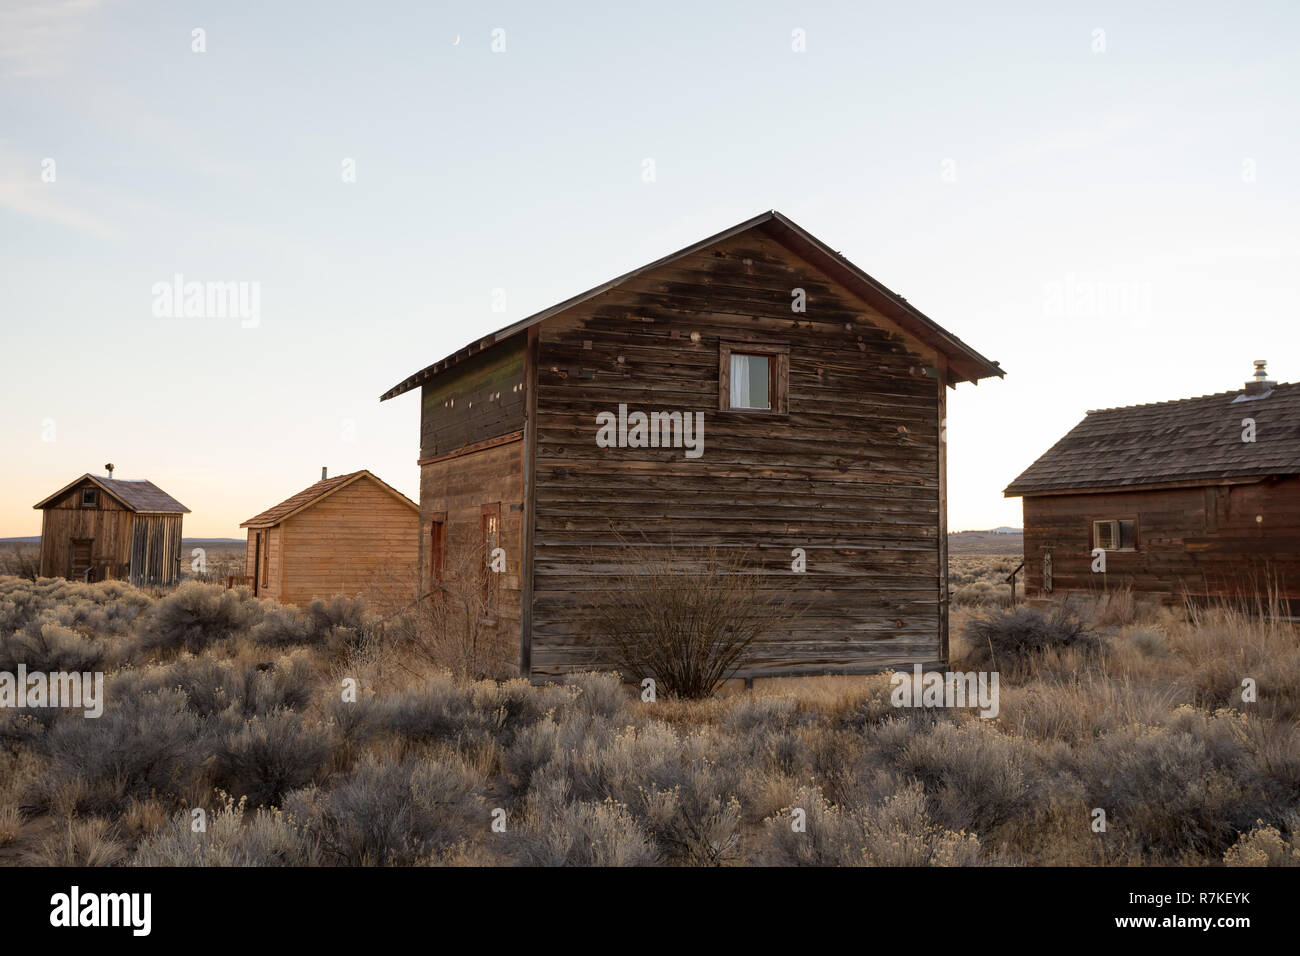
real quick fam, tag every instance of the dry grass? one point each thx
(980, 580)
(239, 709)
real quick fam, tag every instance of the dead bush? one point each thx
(687, 620)
(1012, 638)
(267, 757)
(231, 837)
(393, 814)
(49, 647)
(196, 615)
(142, 746)
(894, 832)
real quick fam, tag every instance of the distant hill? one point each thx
(996, 541)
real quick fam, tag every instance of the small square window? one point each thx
(1119, 534)
(753, 377)
(89, 498)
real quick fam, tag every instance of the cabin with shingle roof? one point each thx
(1197, 498)
(353, 535)
(99, 527)
(820, 461)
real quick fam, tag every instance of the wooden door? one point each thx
(257, 562)
(80, 558)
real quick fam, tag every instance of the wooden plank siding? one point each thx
(359, 540)
(851, 472)
(155, 550)
(108, 525)
(481, 399)
(1205, 541)
(143, 549)
(455, 490)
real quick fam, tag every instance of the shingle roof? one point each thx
(136, 493)
(1188, 440)
(141, 495)
(309, 496)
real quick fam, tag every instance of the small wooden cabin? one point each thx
(823, 398)
(352, 535)
(98, 528)
(1193, 498)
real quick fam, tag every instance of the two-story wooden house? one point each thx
(790, 401)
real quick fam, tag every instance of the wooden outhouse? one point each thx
(1196, 498)
(815, 400)
(352, 535)
(96, 528)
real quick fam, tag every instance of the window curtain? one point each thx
(740, 381)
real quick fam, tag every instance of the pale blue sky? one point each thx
(1114, 227)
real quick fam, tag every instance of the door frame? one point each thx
(72, 556)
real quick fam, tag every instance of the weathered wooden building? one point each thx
(96, 528)
(1197, 498)
(352, 535)
(822, 396)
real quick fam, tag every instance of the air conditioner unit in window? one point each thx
(1105, 535)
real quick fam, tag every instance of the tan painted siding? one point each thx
(253, 562)
(359, 540)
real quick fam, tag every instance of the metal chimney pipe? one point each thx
(323, 473)
(1260, 383)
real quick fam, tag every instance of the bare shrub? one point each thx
(1172, 791)
(244, 684)
(894, 832)
(338, 623)
(269, 756)
(232, 837)
(1012, 638)
(686, 620)
(443, 709)
(599, 694)
(20, 560)
(976, 778)
(196, 615)
(386, 814)
(583, 833)
(48, 647)
(455, 626)
(1266, 846)
(141, 746)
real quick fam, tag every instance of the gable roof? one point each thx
(1194, 439)
(315, 494)
(135, 494)
(965, 363)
